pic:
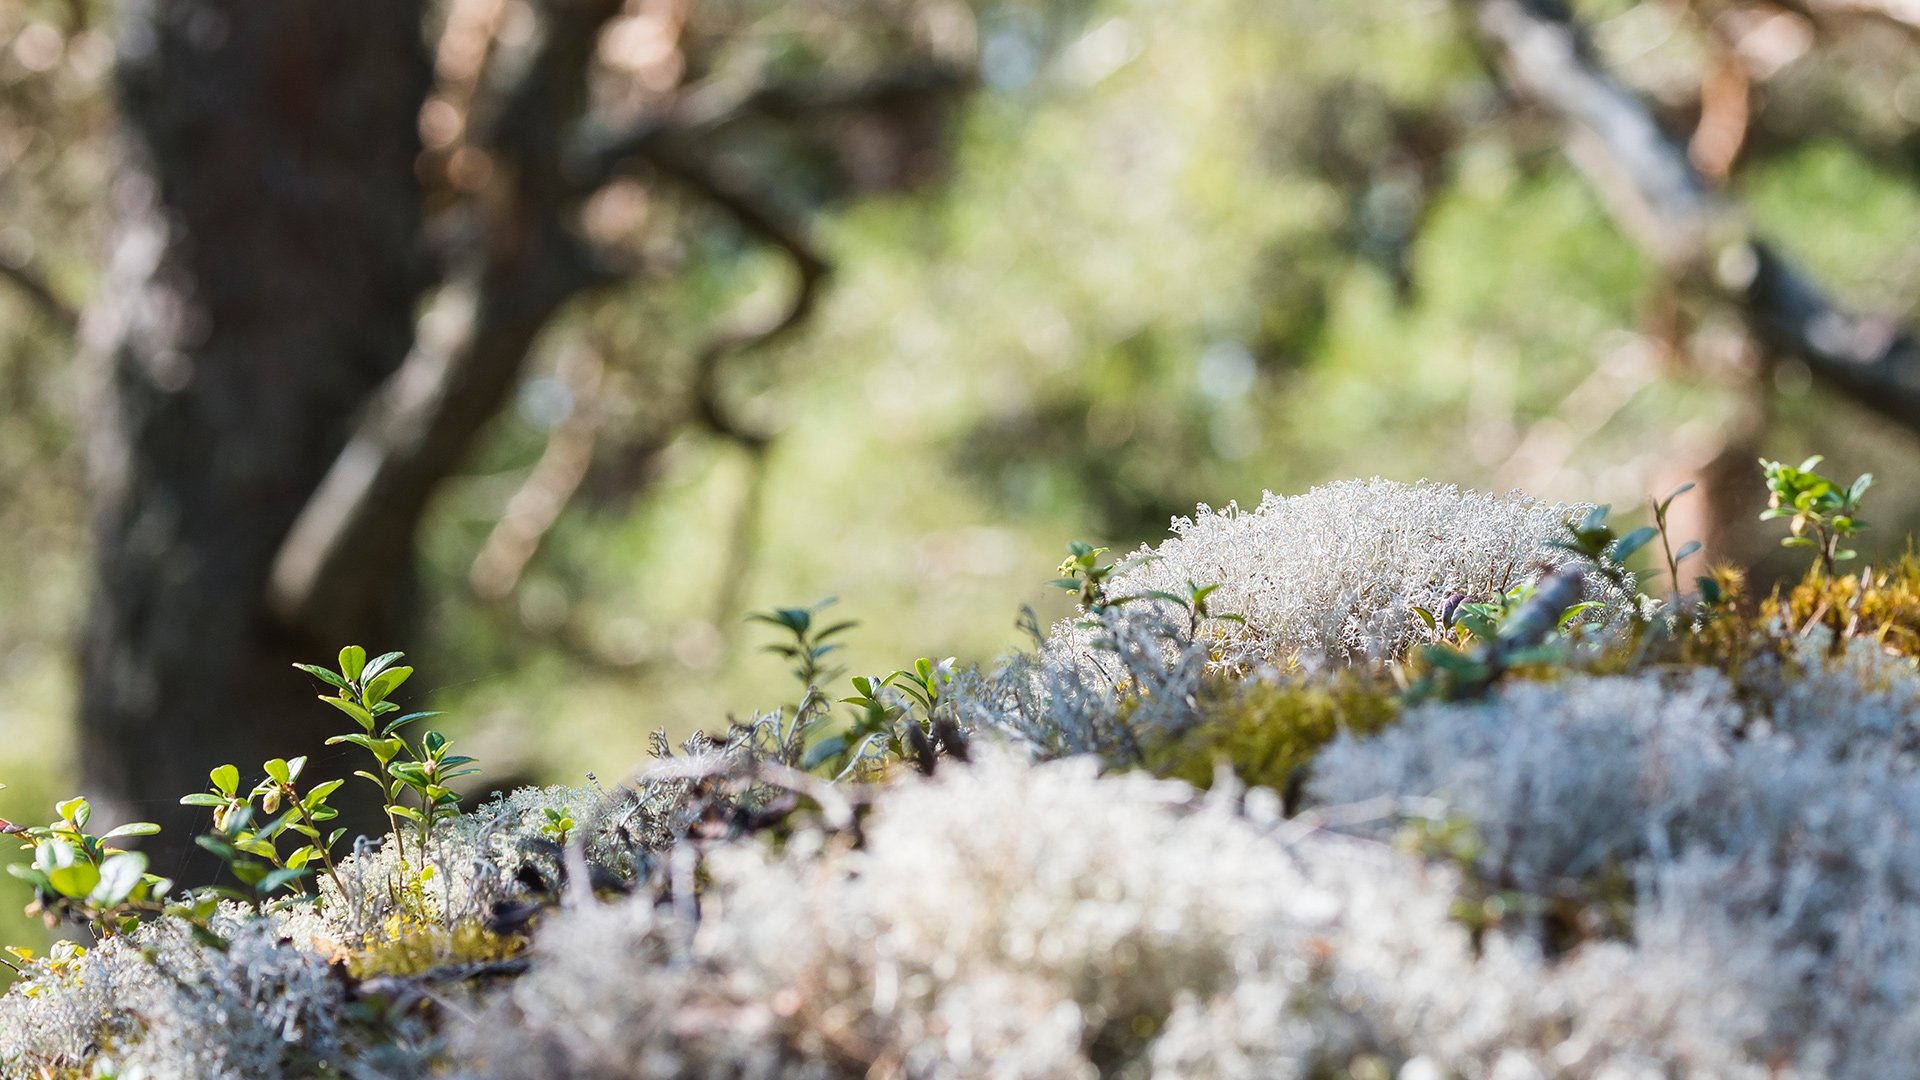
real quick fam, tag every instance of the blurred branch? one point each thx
(600, 158)
(1654, 191)
(1725, 114)
(473, 344)
(811, 270)
(41, 295)
(534, 509)
(810, 267)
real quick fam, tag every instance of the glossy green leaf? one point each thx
(119, 875)
(226, 780)
(360, 716)
(75, 810)
(324, 676)
(380, 687)
(395, 725)
(132, 828)
(318, 794)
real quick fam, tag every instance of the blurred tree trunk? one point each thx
(262, 285)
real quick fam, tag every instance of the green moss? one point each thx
(1881, 606)
(1268, 730)
(409, 946)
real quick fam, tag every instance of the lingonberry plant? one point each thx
(80, 876)
(1820, 512)
(425, 772)
(252, 854)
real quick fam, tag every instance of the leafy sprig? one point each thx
(78, 875)
(252, 855)
(1820, 512)
(402, 770)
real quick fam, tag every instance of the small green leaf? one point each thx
(353, 661)
(226, 780)
(1624, 547)
(202, 798)
(380, 663)
(383, 749)
(360, 715)
(74, 810)
(119, 876)
(281, 877)
(1574, 612)
(395, 725)
(318, 795)
(836, 628)
(30, 875)
(277, 769)
(324, 676)
(386, 683)
(1689, 548)
(132, 828)
(75, 881)
(824, 750)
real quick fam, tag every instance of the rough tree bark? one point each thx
(261, 287)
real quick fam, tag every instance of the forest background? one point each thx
(883, 299)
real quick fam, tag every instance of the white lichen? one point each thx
(1334, 575)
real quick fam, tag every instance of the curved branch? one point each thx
(810, 267)
(600, 157)
(1654, 191)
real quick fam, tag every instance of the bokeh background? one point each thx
(896, 297)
